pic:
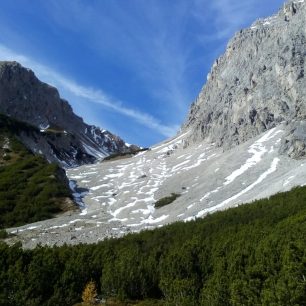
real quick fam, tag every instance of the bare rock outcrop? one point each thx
(258, 83)
(62, 136)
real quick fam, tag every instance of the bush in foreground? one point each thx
(166, 200)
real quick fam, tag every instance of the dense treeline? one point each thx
(31, 189)
(251, 255)
(14, 126)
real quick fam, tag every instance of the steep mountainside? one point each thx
(230, 151)
(25, 98)
(258, 83)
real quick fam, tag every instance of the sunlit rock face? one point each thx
(67, 139)
(258, 83)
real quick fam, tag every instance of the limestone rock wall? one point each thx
(256, 84)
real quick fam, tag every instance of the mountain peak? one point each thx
(256, 84)
(25, 98)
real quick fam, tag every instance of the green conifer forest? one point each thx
(254, 254)
(31, 189)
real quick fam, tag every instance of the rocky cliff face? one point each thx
(258, 83)
(62, 136)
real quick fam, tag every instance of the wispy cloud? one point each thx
(228, 16)
(150, 55)
(90, 94)
(232, 15)
(149, 40)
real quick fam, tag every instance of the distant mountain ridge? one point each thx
(258, 83)
(69, 141)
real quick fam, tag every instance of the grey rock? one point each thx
(256, 84)
(294, 141)
(63, 137)
(118, 202)
(257, 87)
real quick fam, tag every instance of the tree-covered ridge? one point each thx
(251, 255)
(31, 189)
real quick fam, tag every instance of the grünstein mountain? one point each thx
(60, 135)
(244, 139)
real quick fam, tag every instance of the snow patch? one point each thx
(84, 212)
(272, 169)
(288, 180)
(258, 150)
(99, 187)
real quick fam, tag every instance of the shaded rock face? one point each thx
(27, 99)
(69, 140)
(258, 83)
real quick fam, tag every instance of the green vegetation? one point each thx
(116, 302)
(31, 189)
(166, 200)
(116, 156)
(251, 255)
(3, 234)
(14, 126)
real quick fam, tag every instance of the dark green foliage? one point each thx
(3, 234)
(31, 189)
(14, 126)
(166, 200)
(251, 255)
(124, 154)
(7, 157)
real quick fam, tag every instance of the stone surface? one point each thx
(68, 140)
(244, 139)
(294, 141)
(119, 195)
(258, 83)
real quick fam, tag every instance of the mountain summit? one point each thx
(256, 84)
(60, 135)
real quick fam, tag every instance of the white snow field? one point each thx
(118, 196)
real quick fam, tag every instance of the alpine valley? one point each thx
(243, 140)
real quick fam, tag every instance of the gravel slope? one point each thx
(119, 195)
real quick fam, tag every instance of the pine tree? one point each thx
(90, 293)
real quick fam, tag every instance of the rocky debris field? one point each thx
(118, 197)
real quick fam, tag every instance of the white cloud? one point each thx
(227, 16)
(90, 94)
(147, 41)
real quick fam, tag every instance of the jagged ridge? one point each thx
(24, 97)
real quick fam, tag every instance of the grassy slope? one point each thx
(251, 255)
(31, 189)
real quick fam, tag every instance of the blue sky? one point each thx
(130, 66)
